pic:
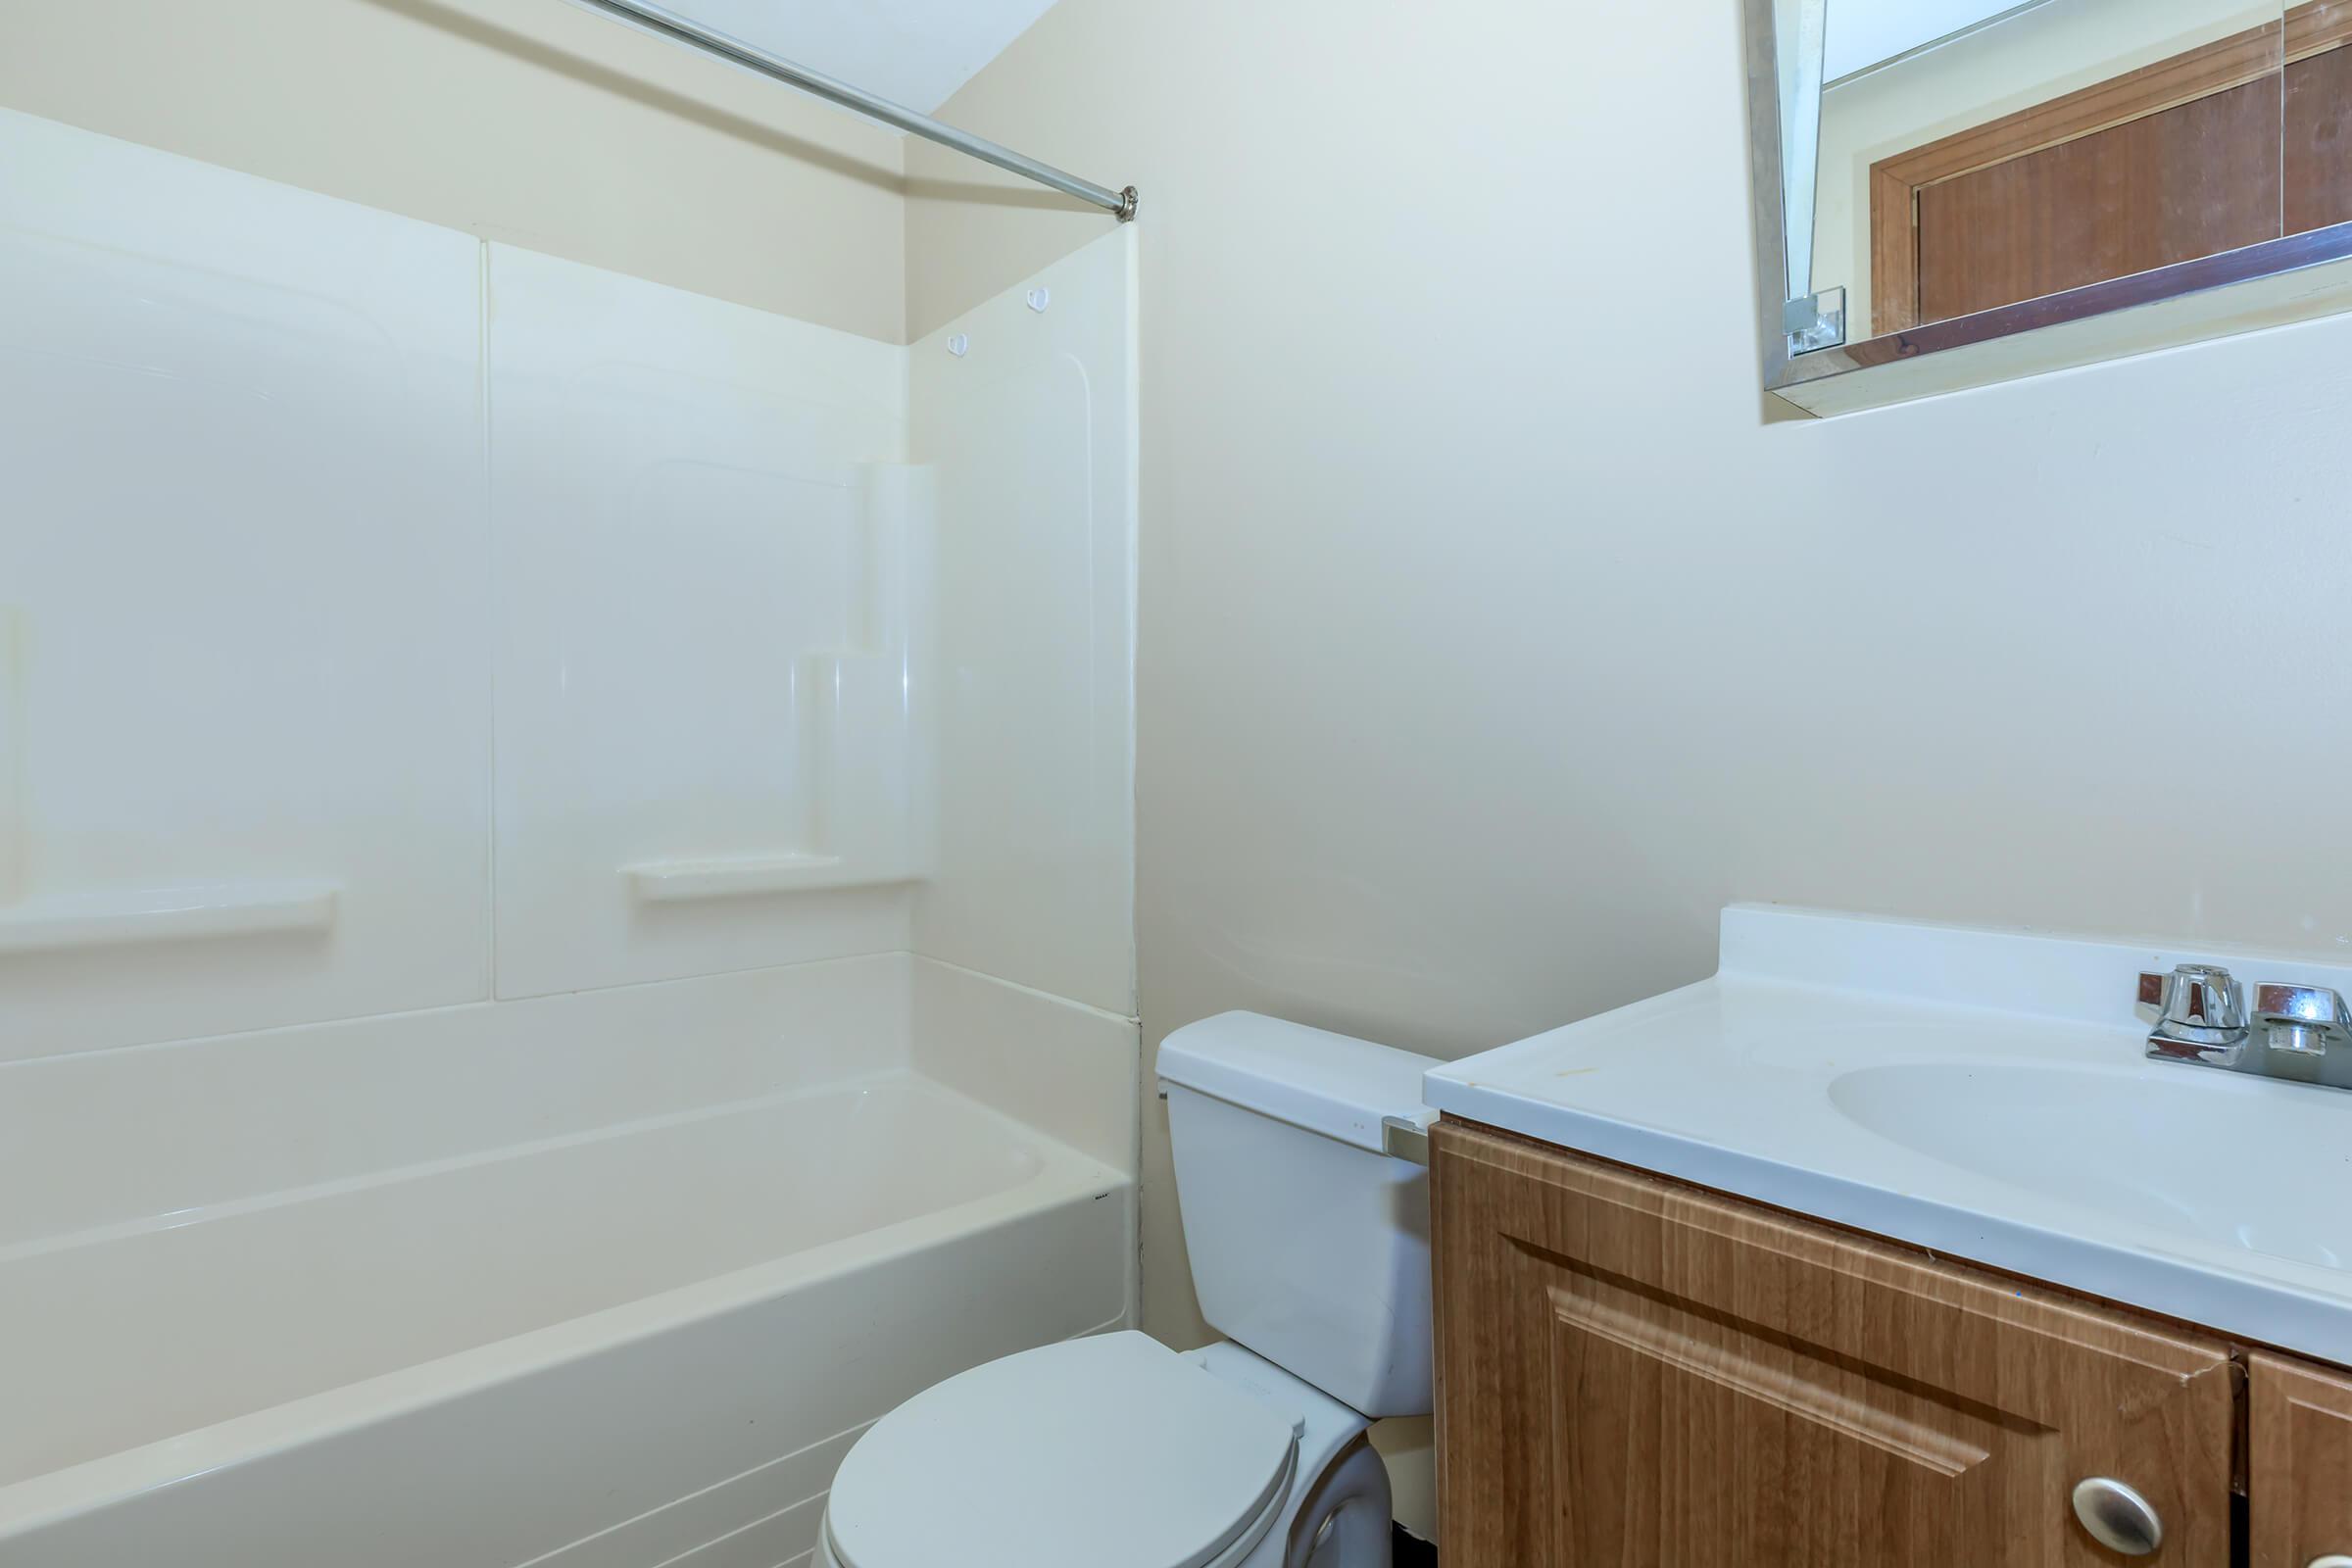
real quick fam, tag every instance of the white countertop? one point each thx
(1982, 1095)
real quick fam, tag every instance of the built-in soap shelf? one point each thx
(685, 881)
(861, 816)
(61, 922)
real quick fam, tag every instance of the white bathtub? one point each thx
(637, 1345)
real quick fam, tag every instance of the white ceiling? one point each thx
(913, 52)
(1863, 32)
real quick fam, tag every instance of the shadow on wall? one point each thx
(1033, 197)
(549, 56)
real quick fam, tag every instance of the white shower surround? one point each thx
(801, 1071)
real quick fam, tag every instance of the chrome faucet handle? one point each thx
(2200, 1012)
(2304, 1019)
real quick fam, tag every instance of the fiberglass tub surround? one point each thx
(566, 929)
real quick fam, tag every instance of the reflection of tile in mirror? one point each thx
(2020, 151)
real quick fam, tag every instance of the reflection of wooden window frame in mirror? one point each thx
(2270, 281)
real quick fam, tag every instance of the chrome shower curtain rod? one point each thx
(667, 23)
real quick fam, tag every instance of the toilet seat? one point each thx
(1112, 1450)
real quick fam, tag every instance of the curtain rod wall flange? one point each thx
(665, 23)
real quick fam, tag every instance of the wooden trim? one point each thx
(2316, 27)
(1893, 254)
(2216, 67)
(2309, 29)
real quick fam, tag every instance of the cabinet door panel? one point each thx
(1637, 1374)
(2299, 1480)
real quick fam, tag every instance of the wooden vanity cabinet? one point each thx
(1634, 1373)
(2299, 1466)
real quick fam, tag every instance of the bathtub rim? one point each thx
(57, 1496)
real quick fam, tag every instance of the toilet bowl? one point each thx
(1112, 1452)
(1310, 1247)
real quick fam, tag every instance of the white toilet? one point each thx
(1311, 1248)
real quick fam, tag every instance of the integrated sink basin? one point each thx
(1984, 1095)
(2265, 1167)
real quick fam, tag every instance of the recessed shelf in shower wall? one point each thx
(61, 922)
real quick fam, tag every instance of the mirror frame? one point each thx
(2271, 283)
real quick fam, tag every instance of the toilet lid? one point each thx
(1098, 1451)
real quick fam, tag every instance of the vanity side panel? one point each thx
(2300, 1478)
(1634, 1372)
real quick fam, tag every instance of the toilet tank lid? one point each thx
(1330, 1083)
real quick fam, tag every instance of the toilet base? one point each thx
(1344, 1520)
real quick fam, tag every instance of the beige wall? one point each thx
(527, 121)
(1491, 638)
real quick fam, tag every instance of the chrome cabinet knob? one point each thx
(2118, 1517)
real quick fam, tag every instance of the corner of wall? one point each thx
(973, 230)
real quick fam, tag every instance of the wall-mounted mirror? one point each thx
(1961, 191)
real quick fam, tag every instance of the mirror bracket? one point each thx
(1816, 322)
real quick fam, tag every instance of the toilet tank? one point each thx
(1310, 1246)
